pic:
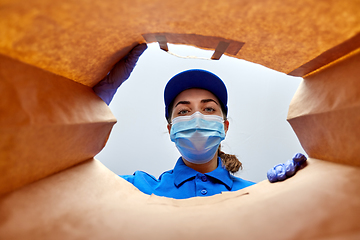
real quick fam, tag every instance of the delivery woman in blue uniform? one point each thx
(196, 111)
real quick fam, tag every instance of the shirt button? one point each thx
(203, 178)
(203, 192)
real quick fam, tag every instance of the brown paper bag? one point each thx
(325, 112)
(89, 202)
(82, 40)
(47, 123)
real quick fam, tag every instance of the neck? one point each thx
(205, 167)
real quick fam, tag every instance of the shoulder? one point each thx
(143, 181)
(240, 183)
(142, 177)
(147, 183)
(166, 174)
(139, 175)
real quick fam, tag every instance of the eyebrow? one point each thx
(182, 102)
(202, 101)
(209, 100)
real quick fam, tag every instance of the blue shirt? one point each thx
(184, 182)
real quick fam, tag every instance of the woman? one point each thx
(196, 111)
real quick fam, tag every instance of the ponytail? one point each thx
(230, 162)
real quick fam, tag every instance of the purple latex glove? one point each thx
(107, 87)
(285, 170)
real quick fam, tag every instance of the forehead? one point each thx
(195, 94)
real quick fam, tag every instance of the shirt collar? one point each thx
(184, 173)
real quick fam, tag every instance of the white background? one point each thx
(258, 103)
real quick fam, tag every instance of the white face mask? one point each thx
(197, 137)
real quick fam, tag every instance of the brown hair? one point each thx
(229, 161)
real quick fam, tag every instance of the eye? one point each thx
(183, 112)
(209, 109)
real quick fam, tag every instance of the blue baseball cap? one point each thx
(195, 78)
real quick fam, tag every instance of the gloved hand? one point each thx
(285, 170)
(107, 87)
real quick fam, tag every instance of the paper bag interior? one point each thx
(52, 123)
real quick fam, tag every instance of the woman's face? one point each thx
(196, 100)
